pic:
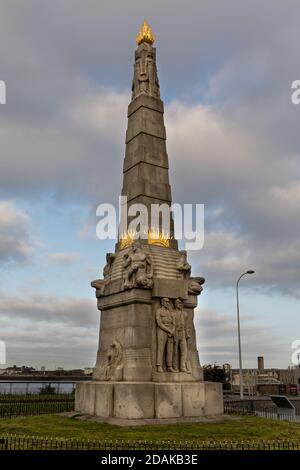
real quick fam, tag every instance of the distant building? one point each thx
(16, 370)
(31, 371)
(263, 381)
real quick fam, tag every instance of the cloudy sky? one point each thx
(226, 69)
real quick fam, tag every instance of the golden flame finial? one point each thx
(145, 34)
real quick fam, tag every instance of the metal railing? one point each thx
(15, 442)
(30, 398)
(254, 407)
(10, 409)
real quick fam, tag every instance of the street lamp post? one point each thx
(239, 332)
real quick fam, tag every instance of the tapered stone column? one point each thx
(146, 166)
(147, 365)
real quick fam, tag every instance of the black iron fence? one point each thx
(11, 409)
(39, 397)
(257, 408)
(14, 442)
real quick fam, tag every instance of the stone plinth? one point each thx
(149, 400)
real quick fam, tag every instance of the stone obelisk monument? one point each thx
(147, 363)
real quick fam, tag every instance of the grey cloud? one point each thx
(62, 259)
(16, 242)
(226, 254)
(68, 68)
(251, 198)
(51, 345)
(52, 331)
(50, 309)
(61, 158)
(217, 341)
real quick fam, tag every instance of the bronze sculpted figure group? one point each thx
(172, 337)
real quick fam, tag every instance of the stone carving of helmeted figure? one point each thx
(183, 264)
(100, 284)
(137, 265)
(107, 268)
(145, 79)
(180, 338)
(111, 367)
(165, 320)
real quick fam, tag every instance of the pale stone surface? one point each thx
(79, 396)
(213, 398)
(171, 288)
(172, 377)
(146, 121)
(104, 400)
(149, 400)
(89, 397)
(146, 101)
(134, 400)
(147, 149)
(134, 372)
(168, 400)
(193, 399)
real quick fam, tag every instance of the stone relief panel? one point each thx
(180, 358)
(172, 337)
(112, 363)
(165, 321)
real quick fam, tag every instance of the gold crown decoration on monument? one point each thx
(145, 34)
(127, 239)
(157, 237)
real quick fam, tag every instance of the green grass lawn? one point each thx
(238, 428)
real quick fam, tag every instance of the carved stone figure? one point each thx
(111, 368)
(180, 338)
(100, 284)
(138, 270)
(183, 264)
(195, 285)
(165, 320)
(145, 79)
(110, 257)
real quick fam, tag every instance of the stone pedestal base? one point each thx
(149, 400)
